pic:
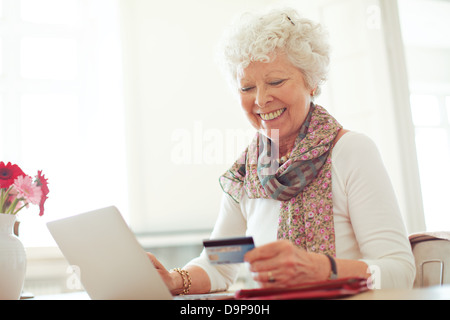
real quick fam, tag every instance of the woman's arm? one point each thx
(374, 212)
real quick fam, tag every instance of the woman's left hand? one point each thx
(282, 264)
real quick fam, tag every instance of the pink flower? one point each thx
(27, 189)
(41, 182)
(18, 189)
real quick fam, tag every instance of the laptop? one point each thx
(112, 264)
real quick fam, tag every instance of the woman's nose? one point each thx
(262, 97)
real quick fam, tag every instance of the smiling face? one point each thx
(275, 96)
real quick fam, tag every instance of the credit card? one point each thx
(229, 250)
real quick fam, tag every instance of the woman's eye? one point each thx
(246, 89)
(277, 82)
(271, 83)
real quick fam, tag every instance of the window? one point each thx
(60, 105)
(432, 128)
(426, 34)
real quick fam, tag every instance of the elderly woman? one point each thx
(315, 197)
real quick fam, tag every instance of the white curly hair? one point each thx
(259, 37)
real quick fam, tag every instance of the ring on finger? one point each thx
(270, 277)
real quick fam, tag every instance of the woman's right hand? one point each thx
(200, 282)
(171, 279)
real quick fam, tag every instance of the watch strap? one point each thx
(333, 273)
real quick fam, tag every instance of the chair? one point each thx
(432, 257)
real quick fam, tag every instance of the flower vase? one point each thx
(12, 260)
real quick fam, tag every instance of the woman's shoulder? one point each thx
(356, 160)
(354, 146)
(353, 140)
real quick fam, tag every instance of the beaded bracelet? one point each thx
(186, 280)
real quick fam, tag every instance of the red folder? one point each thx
(315, 290)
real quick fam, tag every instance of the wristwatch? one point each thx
(333, 273)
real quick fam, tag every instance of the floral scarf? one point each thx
(302, 184)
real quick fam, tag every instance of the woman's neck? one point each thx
(285, 146)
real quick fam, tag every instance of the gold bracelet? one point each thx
(186, 280)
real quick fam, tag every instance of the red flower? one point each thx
(8, 174)
(41, 182)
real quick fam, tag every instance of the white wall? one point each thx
(178, 102)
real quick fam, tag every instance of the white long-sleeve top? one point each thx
(367, 219)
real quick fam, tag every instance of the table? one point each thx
(429, 293)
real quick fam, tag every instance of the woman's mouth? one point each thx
(272, 115)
